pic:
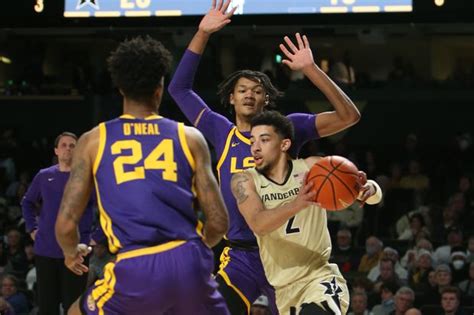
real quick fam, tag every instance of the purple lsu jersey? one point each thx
(144, 180)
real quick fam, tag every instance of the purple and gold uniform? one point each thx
(241, 266)
(143, 175)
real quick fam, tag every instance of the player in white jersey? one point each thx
(291, 228)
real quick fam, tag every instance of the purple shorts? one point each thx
(243, 271)
(172, 278)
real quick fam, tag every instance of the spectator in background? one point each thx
(415, 179)
(100, 257)
(56, 284)
(344, 254)
(442, 254)
(343, 73)
(443, 279)
(416, 230)
(387, 274)
(413, 311)
(260, 306)
(451, 301)
(418, 279)
(16, 299)
(17, 263)
(409, 259)
(467, 286)
(404, 299)
(373, 253)
(391, 254)
(359, 304)
(459, 266)
(387, 296)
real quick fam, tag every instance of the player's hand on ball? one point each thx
(75, 262)
(305, 196)
(366, 191)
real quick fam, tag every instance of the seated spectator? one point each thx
(442, 254)
(344, 254)
(409, 259)
(17, 263)
(392, 254)
(404, 299)
(443, 280)
(418, 279)
(10, 293)
(415, 179)
(97, 262)
(387, 295)
(416, 230)
(373, 253)
(413, 311)
(359, 304)
(451, 301)
(260, 306)
(459, 266)
(467, 286)
(387, 274)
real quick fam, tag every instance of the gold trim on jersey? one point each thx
(243, 138)
(151, 117)
(105, 221)
(225, 260)
(185, 147)
(149, 250)
(104, 288)
(198, 118)
(225, 152)
(199, 228)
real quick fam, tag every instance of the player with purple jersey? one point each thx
(248, 92)
(148, 171)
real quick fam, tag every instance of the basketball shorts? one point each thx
(172, 278)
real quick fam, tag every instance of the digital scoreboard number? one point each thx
(144, 8)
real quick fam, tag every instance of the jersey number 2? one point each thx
(161, 158)
(290, 229)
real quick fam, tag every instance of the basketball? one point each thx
(335, 182)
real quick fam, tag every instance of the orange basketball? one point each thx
(335, 182)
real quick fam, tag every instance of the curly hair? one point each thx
(227, 86)
(282, 125)
(138, 65)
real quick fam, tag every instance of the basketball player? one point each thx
(147, 171)
(291, 228)
(241, 275)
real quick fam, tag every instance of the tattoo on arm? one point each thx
(76, 192)
(238, 188)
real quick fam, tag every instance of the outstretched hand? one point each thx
(298, 57)
(217, 17)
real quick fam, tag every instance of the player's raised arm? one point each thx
(260, 219)
(300, 58)
(181, 85)
(75, 198)
(208, 194)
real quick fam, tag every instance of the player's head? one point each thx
(64, 145)
(138, 67)
(271, 138)
(248, 92)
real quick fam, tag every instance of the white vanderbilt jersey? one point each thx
(302, 246)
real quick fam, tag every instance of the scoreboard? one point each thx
(144, 8)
